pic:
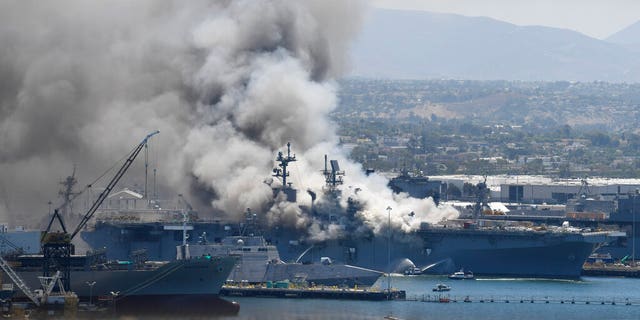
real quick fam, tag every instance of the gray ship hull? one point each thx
(438, 250)
(197, 277)
(260, 263)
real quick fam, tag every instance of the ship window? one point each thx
(262, 249)
(246, 249)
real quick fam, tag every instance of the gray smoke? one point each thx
(227, 83)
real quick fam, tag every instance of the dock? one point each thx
(611, 270)
(313, 293)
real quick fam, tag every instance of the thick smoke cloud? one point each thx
(227, 83)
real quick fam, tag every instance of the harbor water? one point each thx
(587, 298)
(595, 290)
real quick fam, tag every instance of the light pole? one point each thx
(389, 252)
(91, 284)
(114, 296)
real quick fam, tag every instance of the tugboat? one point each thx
(462, 275)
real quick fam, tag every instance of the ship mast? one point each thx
(283, 162)
(67, 193)
(333, 177)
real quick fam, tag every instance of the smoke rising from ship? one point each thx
(227, 83)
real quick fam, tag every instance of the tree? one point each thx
(564, 170)
(469, 189)
(453, 190)
(534, 166)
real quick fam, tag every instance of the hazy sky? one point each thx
(596, 18)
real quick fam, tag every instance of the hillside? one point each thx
(422, 45)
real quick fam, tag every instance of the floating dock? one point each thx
(313, 293)
(611, 270)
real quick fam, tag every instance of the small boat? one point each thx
(462, 275)
(441, 287)
(415, 271)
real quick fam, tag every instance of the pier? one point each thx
(441, 298)
(313, 293)
(611, 270)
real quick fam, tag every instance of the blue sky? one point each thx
(595, 18)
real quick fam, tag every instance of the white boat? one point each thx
(441, 287)
(415, 271)
(462, 275)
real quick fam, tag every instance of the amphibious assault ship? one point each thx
(486, 248)
(495, 249)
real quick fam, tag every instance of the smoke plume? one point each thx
(227, 83)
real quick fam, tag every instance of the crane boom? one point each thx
(112, 184)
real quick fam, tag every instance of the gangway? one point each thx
(18, 281)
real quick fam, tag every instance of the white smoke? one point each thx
(227, 83)
(371, 192)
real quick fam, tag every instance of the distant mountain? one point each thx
(417, 45)
(628, 37)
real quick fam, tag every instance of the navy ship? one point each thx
(198, 277)
(615, 212)
(418, 186)
(258, 260)
(505, 248)
(260, 263)
(179, 287)
(441, 249)
(136, 284)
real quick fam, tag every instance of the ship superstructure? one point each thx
(505, 248)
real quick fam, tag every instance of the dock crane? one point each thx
(57, 247)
